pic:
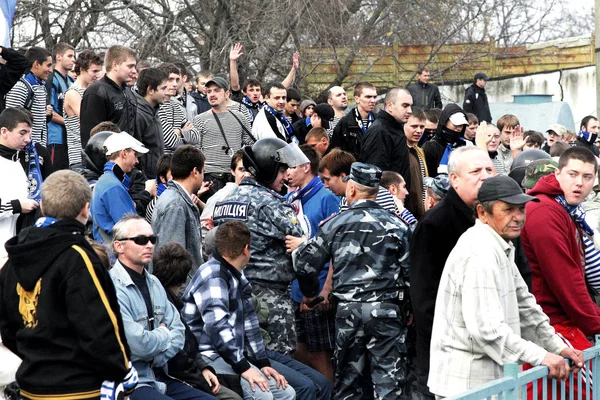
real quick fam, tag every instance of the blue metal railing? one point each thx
(514, 384)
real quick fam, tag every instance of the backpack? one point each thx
(28, 100)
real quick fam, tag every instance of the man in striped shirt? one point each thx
(220, 132)
(30, 92)
(171, 113)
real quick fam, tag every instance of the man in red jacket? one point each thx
(553, 243)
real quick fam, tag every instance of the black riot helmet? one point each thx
(522, 160)
(94, 157)
(264, 158)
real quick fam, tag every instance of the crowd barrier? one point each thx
(515, 385)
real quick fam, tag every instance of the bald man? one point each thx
(336, 98)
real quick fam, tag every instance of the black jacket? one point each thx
(435, 148)
(201, 102)
(301, 130)
(347, 135)
(384, 145)
(104, 100)
(433, 240)
(476, 102)
(590, 146)
(149, 132)
(425, 95)
(59, 313)
(15, 66)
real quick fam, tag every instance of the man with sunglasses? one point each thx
(111, 200)
(152, 324)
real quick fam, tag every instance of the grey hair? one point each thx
(457, 155)
(487, 206)
(119, 230)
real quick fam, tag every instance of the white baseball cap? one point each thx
(122, 141)
(458, 119)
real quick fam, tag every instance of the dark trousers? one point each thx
(308, 383)
(59, 156)
(370, 335)
(219, 181)
(175, 391)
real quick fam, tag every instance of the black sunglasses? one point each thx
(141, 240)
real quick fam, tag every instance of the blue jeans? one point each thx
(308, 383)
(275, 393)
(175, 391)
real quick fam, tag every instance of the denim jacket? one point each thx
(149, 348)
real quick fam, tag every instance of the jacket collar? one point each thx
(454, 199)
(507, 247)
(118, 270)
(225, 264)
(364, 204)
(177, 186)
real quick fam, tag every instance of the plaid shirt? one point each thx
(484, 316)
(218, 310)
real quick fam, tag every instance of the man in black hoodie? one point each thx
(384, 144)
(58, 307)
(449, 136)
(151, 93)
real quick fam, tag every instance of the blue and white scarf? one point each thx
(577, 214)
(587, 136)
(251, 107)
(34, 172)
(284, 121)
(298, 198)
(45, 222)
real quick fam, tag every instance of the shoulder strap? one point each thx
(243, 127)
(29, 99)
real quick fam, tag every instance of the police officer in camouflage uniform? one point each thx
(270, 218)
(368, 247)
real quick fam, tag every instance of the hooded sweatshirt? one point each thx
(554, 247)
(59, 313)
(435, 148)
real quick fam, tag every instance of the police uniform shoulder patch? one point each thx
(329, 218)
(231, 210)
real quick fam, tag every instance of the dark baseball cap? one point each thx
(220, 82)
(365, 174)
(503, 188)
(481, 75)
(326, 113)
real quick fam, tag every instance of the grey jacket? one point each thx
(177, 219)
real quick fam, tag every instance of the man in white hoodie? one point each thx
(15, 134)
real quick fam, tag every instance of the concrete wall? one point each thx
(575, 86)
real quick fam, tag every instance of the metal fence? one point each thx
(526, 385)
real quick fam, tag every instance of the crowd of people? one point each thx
(167, 236)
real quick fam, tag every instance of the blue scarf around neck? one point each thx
(307, 192)
(577, 214)
(44, 222)
(284, 121)
(34, 172)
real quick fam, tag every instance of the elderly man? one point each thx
(484, 314)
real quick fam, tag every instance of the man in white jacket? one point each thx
(270, 120)
(15, 134)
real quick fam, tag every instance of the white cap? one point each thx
(122, 141)
(558, 129)
(458, 119)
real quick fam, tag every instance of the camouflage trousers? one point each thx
(369, 336)
(281, 325)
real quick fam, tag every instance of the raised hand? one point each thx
(236, 52)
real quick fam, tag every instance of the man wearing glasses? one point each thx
(111, 200)
(152, 325)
